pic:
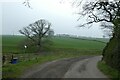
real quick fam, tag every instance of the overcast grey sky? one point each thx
(15, 16)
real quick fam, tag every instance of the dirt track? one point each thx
(83, 67)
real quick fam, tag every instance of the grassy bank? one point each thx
(107, 70)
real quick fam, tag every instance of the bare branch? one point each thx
(36, 31)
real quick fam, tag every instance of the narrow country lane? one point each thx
(83, 67)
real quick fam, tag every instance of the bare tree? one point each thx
(37, 31)
(102, 11)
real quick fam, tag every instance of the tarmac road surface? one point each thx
(83, 67)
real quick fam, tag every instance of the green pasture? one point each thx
(81, 44)
(11, 44)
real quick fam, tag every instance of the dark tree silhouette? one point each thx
(101, 12)
(37, 31)
(109, 13)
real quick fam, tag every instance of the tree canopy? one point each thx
(37, 31)
(107, 12)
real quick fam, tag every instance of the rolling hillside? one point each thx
(11, 44)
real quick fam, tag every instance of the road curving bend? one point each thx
(83, 67)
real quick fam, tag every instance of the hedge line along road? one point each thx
(82, 67)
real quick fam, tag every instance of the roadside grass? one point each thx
(107, 70)
(16, 70)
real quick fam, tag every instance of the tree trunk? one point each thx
(39, 43)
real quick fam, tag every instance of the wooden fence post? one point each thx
(3, 59)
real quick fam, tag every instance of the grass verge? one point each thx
(107, 70)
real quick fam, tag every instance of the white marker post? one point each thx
(25, 46)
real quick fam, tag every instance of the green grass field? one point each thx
(63, 42)
(11, 44)
(63, 47)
